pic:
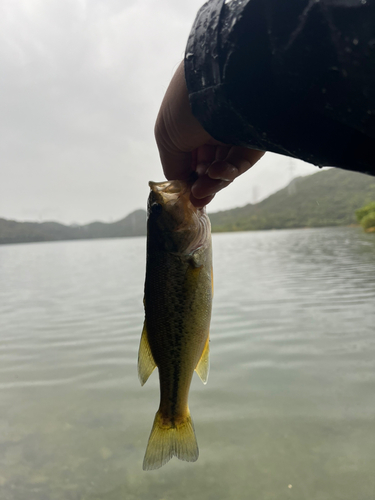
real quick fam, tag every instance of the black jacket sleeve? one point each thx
(296, 77)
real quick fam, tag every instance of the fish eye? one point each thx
(156, 208)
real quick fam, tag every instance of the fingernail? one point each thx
(228, 175)
(201, 168)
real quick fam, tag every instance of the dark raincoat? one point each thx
(296, 77)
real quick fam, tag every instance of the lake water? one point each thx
(289, 408)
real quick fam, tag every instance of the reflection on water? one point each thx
(289, 409)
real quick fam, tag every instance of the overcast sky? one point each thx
(81, 82)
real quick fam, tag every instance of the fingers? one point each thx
(215, 177)
(205, 155)
(184, 146)
(237, 161)
(222, 152)
(206, 187)
(200, 203)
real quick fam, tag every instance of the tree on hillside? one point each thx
(366, 217)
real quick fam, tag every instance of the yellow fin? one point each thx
(203, 366)
(167, 440)
(146, 362)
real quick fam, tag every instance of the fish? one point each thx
(178, 296)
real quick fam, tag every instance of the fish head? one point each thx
(174, 223)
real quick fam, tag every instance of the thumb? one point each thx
(176, 165)
(177, 132)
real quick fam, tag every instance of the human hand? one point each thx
(185, 147)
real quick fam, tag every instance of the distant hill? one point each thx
(21, 232)
(327, 198)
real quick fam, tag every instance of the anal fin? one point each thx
(146, 362)
(203, 366)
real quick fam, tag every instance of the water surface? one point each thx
(289, 408)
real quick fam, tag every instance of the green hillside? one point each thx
(327, 198)
(21, 232)
(366, 217)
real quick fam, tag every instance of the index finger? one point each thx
(238, 161)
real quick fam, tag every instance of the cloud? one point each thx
(81, 84)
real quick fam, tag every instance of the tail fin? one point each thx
(168, 440)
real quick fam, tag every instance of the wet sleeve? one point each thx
(294, 77)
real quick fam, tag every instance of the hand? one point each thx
(185, 147)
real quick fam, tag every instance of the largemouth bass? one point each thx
(177, 301)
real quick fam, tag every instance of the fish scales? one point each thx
(177, 300)
(176, 340)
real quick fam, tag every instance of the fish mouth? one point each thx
(169, 193)
(176, 193)
(172, 187)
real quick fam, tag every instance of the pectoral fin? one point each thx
(203, 366)
(146, 362)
